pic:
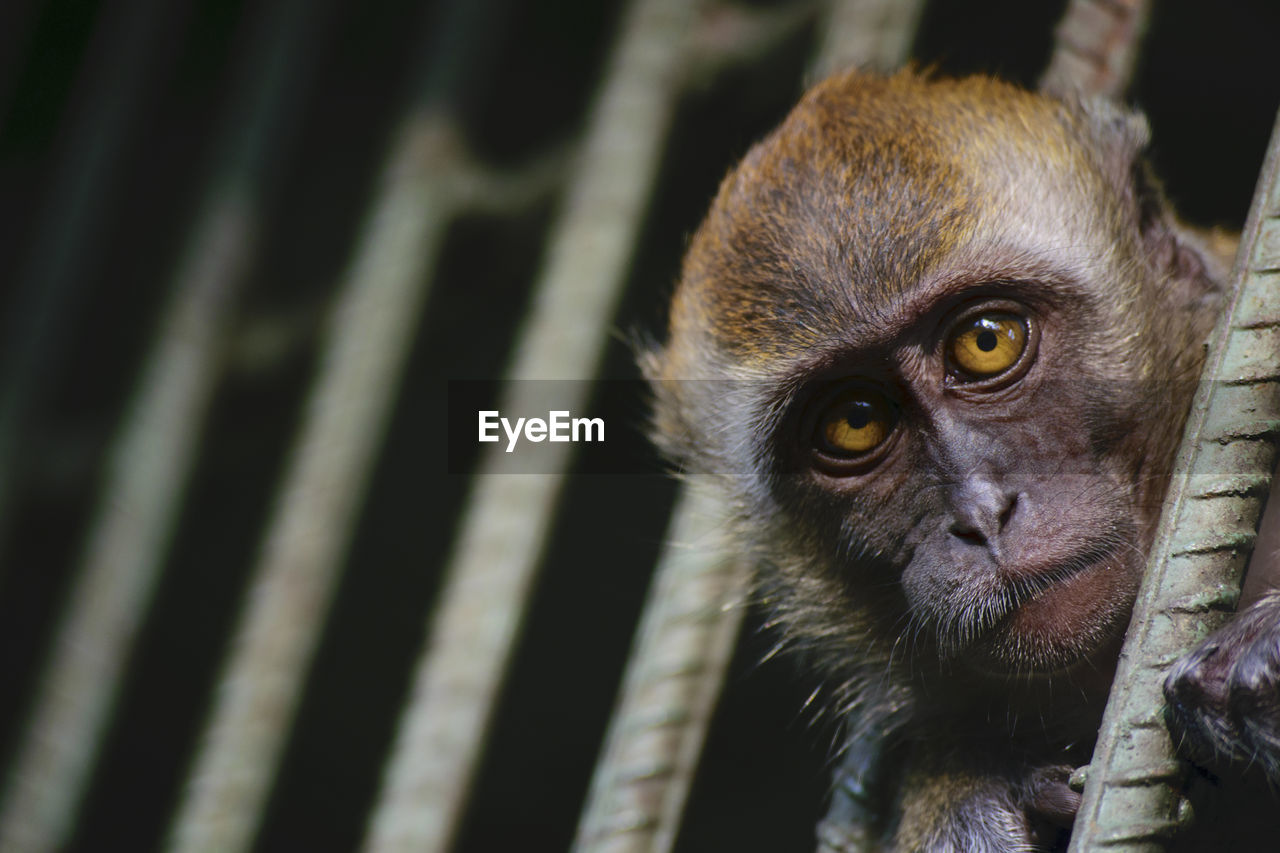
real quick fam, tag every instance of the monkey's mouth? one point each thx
(1055, 619)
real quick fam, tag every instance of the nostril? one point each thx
(968, 534)
(1008, 512)
(982, 514)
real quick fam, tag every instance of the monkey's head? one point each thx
(936, 340)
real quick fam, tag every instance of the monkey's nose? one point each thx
(982, 511)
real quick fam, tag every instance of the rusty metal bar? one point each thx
(1205, 536)
(154, 451)
(506, 519)
(1096, 46)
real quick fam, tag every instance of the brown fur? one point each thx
(839, 247)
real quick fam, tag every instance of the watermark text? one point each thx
(558, 426)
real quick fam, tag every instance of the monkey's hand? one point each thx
(1224, 697)
(958, 809)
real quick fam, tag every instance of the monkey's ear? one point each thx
(1193, 267)
(1189, 262)
(1120, 135)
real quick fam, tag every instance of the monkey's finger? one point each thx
(1052, 800)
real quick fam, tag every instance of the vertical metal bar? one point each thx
(153, 453)
(310, 526)
(1095, 47)
(674, 676)
(114, 83)
(507, 518)
(867, 34)
(1205, 536)
(382, 296)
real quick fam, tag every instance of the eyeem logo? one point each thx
(558, 426)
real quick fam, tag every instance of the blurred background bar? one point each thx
(507, 516)
(118, 77)
(675, 673)
(1096, 46)
(153, 454)
(259, 587)
(368, 339)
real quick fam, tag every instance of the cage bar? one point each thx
(1206, 533)
(506, 520)
(155, 450)
(1096, 46)
(117, 83)
(674, 676)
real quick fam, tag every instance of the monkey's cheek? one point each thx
(1077, 622)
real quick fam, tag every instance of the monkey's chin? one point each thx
(1073, 626)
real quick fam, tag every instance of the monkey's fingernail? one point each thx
(1186, 813)
(1077, 779)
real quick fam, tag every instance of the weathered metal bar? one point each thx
(1095, 47)
(733, 34)
(872, 34)
(1205, 536)
(154, 450)
(311, 524)
(426, 181)
(682, 649)
(506, 519)
(381, 297)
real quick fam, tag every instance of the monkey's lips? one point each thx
(1058, 618)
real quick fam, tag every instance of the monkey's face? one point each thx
(975, 459)
(946, 346)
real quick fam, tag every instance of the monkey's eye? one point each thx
(987, 344)
(853, 423)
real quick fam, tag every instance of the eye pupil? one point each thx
(987, 345)
(853, 424)
(858, 416)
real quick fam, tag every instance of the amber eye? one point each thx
(854, 423)
(987, 344)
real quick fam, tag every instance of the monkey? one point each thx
(934, 343)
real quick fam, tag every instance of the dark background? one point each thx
(1207, 80)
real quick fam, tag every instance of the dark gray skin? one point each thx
(960, 561)
(1223, 709)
